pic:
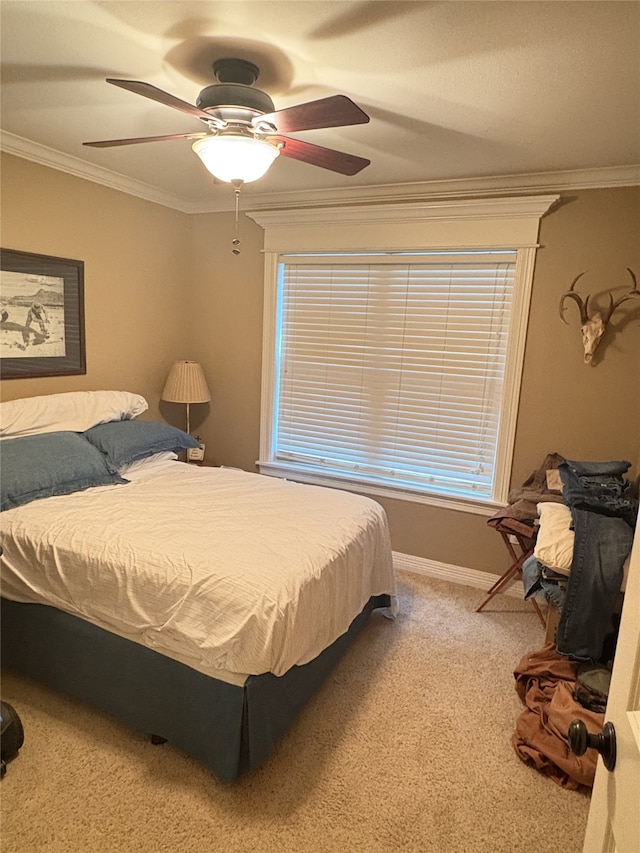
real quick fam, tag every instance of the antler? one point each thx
(576, 296)
(632, 293)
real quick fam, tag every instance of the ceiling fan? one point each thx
(244, 131)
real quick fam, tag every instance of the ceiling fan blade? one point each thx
(316, 155)
(149, 91)
(110, 143)
(335, 111)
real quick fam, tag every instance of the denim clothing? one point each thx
(603, 513)
(600, 487)
(552, 575)
(536, 585)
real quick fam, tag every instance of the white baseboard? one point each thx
(453, 574)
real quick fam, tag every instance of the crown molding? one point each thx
(45, 156)
(578, 179)
(601, 178)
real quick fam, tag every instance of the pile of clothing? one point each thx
(546, 682)
(584, 538)
(546, 572)
(520, 516)
(580, 552)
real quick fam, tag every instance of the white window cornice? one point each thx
(479, 223)
(412, 211)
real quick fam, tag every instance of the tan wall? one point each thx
(580, 411)
(161, 285)
(136, 270)
(226, 328)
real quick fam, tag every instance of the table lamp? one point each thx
(186, 384)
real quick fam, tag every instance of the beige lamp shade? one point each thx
(186, 384)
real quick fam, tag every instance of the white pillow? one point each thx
(74, 410)
(554, 544)
(132, 470)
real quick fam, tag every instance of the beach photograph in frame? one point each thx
(41, 315)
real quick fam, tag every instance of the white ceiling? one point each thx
(456, 91)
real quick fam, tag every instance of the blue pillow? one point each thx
(123, 442)
(52, 463)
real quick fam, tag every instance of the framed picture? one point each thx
(42, 315)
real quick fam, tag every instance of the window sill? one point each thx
(290, 472)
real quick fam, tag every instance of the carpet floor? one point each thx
(407, 747)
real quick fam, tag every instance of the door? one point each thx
(614, 817)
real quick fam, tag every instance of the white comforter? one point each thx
(229, 572)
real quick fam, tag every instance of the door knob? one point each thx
(605, 742)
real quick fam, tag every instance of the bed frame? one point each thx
(231, 729)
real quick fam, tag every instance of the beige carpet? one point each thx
(406, 748)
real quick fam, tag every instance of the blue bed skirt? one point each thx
(231, 729)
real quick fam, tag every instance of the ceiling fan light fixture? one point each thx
(235, 157)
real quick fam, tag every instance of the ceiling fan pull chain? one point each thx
(236, 240)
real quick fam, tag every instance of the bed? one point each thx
(201, 605)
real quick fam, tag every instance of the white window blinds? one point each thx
(390, 368)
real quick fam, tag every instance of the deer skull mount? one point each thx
(594, 326)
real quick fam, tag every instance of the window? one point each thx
(395, 372)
